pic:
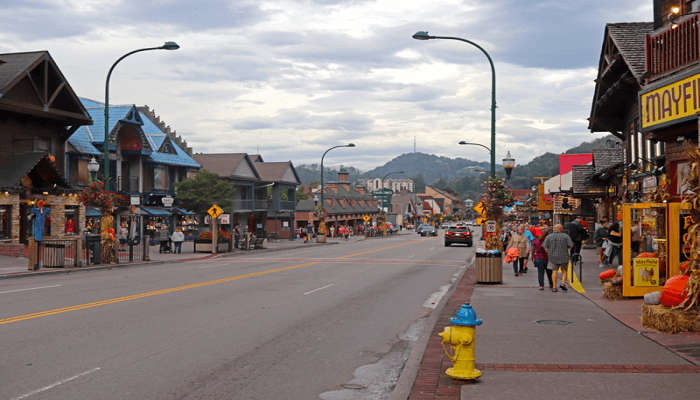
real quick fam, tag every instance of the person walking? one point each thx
(599, 237)
(539, 258)
(557, 245)
(177, 237)
(615, 241)
(236, 236)
(530, 237)
(577, 234)
(520, 242)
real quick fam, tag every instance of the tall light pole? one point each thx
(384, 196)
(323, 188)
(105, 144)
(422, 35)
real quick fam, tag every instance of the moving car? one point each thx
(458, 234)
(420, 228)
(428, 231)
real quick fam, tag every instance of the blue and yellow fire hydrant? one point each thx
(461, 338)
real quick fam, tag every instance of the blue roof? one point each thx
(156, 211)
(154, 134)
(82, 141)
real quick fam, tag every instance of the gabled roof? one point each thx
(31, 83)
(629, 37)
(282, 172)
(227, 165)
(81, 141)
(18, 165)
(607, 158)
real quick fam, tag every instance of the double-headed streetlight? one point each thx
(105, 144)
(422, 35)
(323, 187)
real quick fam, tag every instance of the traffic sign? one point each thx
(366, 218)
(480, 221)
(481, 208)
(215, 211)
(490, 226)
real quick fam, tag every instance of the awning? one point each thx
(181, 211)
(156, 211)
(92, 212)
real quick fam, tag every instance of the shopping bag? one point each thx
(573, 280)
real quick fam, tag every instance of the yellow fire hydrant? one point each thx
(461, 338)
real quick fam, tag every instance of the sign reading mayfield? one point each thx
(677, 100)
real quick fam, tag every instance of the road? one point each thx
(297, 324)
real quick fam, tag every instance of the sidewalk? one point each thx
(542, 345)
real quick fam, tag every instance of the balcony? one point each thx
(128, 184)
(263, 204)
(287, 205)
(672, 48)
(242, 205)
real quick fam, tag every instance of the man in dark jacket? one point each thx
(577, 234)
(599, 237)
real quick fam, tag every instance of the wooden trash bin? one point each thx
(489, 268)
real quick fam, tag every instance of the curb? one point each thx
(406, 380)
(58, 271)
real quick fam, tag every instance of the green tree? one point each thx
(301, 194)
(419, 183)
(205, 189)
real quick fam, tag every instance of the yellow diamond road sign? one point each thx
(366, 218)
(214, 211)
(481, 208)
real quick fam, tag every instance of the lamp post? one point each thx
(105, 144)
(508, 164)
(93, 166)
(323, 205)
(422, 35)
(384, 195)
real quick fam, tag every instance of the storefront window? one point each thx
(648, 240)
(159, 178)
(72, 223)
(5, 222)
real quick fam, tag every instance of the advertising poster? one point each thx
(646, 272)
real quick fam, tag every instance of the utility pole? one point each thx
(414, 144)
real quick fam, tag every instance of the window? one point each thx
(159, 178)
(71, 223)
(5, 222)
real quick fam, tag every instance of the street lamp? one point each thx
(384, 196)
(105, 144)
(323, 205)
(508, 164)
(93, 166)
(423, 35)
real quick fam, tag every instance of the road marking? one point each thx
(53, 385)
(321, 288)
(434, 299)
(380, 249)
(31, 288)
(46, 313)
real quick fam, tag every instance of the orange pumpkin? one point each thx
(674, 291)
(607, 274)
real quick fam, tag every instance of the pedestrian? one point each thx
(557, 245)
(539, 258)
(576, 233)
(520, 242)
(309, 231)
(164, 239)
(530, 237)
(236, 236)
(332, 231)
(615, 241)
(599, 237)
(178, 237)
(346, 232)
(635, 238)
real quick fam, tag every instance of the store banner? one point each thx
(545, 202)
(676, 101)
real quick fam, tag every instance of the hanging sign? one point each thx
(167, 201)
(676, 101)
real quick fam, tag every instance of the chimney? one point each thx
(343, 176)
(360, 189)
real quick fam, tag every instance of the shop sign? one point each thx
(225, 219)
(649, 184)
(675, 101)
(646, 272)
(545, 201)
(686, 221)
(167, 201)
(135, 200)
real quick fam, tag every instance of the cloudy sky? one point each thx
(291, 78)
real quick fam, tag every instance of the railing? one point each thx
(57, 253)
(242, 205)
(264, 204)
(672, 48)
(287, 205)
(128, 184)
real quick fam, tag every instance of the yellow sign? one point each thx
(646, 272)
(480, 221)
(366, 218)
(214, 211)
(674, 101)
(481, 208)
(545, 201)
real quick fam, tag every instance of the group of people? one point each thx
(608, 241)
(343, 231)
(549, 249)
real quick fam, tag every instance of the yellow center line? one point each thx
(54, 311)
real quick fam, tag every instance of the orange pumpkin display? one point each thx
(674, 291)
(607, 274)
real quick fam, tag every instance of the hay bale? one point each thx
(612, 292)
(669, 320)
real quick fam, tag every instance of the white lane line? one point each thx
(53, 385)
(31, 288)
(317, 289)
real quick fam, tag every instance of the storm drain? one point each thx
(559, 322)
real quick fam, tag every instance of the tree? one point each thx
(301, 194)
(205, 189)
(419, 183)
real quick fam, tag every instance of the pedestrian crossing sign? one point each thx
(481, 208)
(366, 218)
(214, 211)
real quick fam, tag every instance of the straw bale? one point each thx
(669, 320)
(612, 292)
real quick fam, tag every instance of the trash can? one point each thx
(94, 248)
(54, 255)
(489, 267)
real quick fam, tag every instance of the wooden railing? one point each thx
(672, 48)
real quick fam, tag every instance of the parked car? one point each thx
(458, 234)
(428, 230)
(420, 227)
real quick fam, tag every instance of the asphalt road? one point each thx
(278, 325)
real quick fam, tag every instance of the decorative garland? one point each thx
(496, 194)
(96, 195)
